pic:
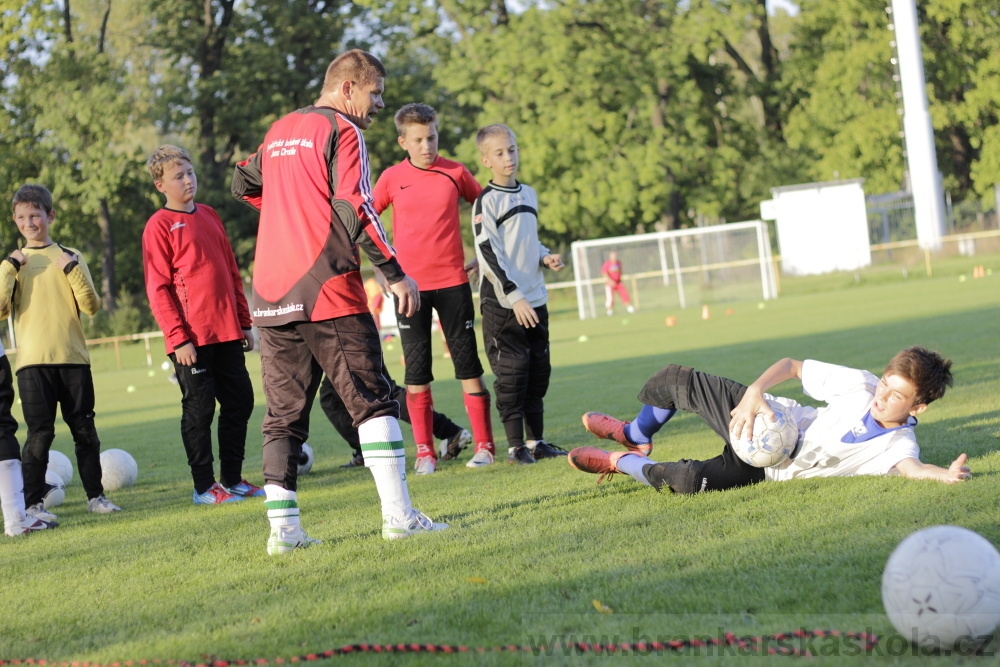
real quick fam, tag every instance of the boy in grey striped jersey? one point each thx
(513, 296)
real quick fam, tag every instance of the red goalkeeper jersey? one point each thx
(310, 180)
(426, 227)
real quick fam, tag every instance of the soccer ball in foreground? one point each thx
(119, 469)
(60, 464)
(306, 459)
(941, 588)
(55, 490)
(772, 442)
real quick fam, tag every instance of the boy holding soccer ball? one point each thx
(513, 296)
(867, 427)
(196, 295)
(46, 286)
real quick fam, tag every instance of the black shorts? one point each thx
(458, 320)
(712, 398)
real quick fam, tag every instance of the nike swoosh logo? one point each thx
(403, 187)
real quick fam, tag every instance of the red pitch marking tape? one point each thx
(869, 641)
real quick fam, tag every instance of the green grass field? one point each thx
(530, 549)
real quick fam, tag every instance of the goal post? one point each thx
(704, 265)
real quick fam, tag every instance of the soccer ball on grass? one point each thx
(941, 588)
(118, 468)
(55, 490)
(306, 459)
(60, 464)
(772, 443)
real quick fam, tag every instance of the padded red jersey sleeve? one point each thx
(240, 297)
(383, 199)
(354, 203)
(157, 258)
(248, 182)
(469, 186)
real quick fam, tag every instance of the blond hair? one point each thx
(414, 114)
(490, 131)
(355, 65)
(163, 157)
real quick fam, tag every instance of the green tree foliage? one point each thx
(73, 106)
(849, 119)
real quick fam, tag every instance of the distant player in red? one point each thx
(424, 191)
(612, 271)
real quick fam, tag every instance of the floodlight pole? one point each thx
(921, 160)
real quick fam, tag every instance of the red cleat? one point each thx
(607, 427)
(596, 461)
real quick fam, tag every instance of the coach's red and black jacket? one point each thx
(310, 181)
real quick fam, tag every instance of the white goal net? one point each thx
(677, 269)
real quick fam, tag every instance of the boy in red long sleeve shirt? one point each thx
(196, 294)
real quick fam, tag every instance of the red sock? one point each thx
(421, 406)
(477, 406)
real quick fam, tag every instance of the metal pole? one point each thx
(921, 158)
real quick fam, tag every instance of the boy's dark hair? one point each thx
(163, 157)
(414, 114)
(929, 372)
(34, 195)
(496, 130)
(355, 65)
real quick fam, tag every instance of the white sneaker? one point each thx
(425, 465)
(288, 538)
(101, 505)
(37, 511)
(481, 458)
(416, 524)
(28, 526)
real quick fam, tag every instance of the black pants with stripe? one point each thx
(9, 449)
(293, 358)
(219, 374)
(71, 388)
(712, 398)
(519, 358)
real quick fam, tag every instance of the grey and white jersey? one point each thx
(505, 222)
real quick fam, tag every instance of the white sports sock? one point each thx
(632, 464)
(12, 494)
(282, 507)
(382, 447)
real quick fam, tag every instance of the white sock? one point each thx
(12, 493)
(632, 464)
(382, 447)
(282, 507)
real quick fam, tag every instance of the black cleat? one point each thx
(520, 456)
(357, 461)
(545, 450)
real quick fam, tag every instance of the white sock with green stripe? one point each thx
(382, 447)
(282, 508)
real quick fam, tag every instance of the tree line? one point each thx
(631, 115)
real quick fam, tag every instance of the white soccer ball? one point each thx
(57, 493)
(166, 366)
(60, 464)
(941, 588)
(772, 442)
(306, 459)
(118, 468)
